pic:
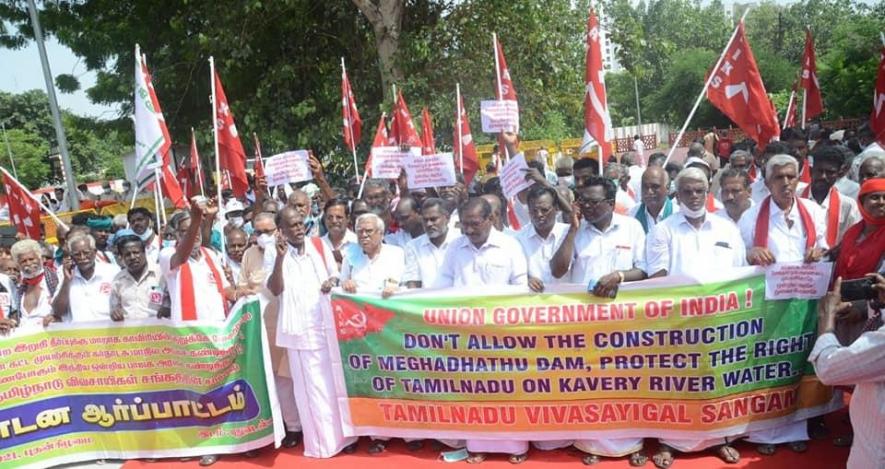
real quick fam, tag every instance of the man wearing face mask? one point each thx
(675, 247)
(141, 221)
(34, 295)
(233, 213)
(85, 291)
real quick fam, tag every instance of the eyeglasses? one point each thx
(591, 202)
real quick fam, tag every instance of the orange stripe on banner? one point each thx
(601, 414)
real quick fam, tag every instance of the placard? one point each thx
(499, 116)
(797, 280)
(387, 162)
(288, 167)
(513, 176)
(430, 170)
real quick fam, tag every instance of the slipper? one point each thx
(476, 458)
(766, 449)
(518, 458)
(663, 459)
(728, 454)
(638, 459)
(590, 459)
(377, 447)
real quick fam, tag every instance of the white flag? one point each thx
(149, 137)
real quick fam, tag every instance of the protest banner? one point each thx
(288, 167)
(499, 116)
(668, 358)
(513, 179)
(430, 170)
(136, 389)
(799, 280)
(387, 162)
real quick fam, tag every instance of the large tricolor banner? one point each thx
(667, 358)
(135, 390)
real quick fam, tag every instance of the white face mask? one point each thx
(692, 213)
(236, 222)
(265, 240)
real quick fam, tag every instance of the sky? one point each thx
(22, 72)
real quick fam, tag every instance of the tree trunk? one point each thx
(385, 16)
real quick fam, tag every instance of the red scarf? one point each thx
(186, 287)
(805, 173)
(833, 213)
(760, 238)
(711, 202)
(869, 186)
(752, 173)
(34, 280)
(858, 258)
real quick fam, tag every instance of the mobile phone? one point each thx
(858, 289)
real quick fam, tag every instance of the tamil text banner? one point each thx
(288, 167)
(145, 389)
(667, 358)
(429, 170)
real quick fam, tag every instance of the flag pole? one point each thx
(704, 91)
(500, 93)
(9, 150)
(36, 199)
(356, 169)
(215, 137)
(199, 166)
(159, 206)
(460, 141)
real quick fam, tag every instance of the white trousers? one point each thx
(286, 396)
(314, 391)
(498, 446)
(610, 448)
(796, 431)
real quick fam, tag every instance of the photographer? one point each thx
(861, 364)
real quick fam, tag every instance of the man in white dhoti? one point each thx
(484, 257)
(302, 276)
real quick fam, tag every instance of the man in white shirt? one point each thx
(624, 200)
(424, 254)
(236, 242)
(33, 298)
(377, 267)
(674, 248)
(783, 228)
(759, 187)
(484, 257)
(141, 221)
(198, 288)
(871, 166)
(735, 193)
(711, 203)
(840, 209)
(639, 149)
(601, 252)
(338, 237)
(85, 290)
(302, 276)
(138, 290)
(408, 219)
(499, 214)
(542, 238)
(656, 205)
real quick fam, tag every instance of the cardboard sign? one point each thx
(430, 171)
(288, 167)
(513, 176)
(387, 162)
(797, 280)
(499, 116)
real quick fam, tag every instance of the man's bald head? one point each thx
(655, 187)
(300, 201)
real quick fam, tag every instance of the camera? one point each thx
(858, 289)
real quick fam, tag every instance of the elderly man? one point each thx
(735, 194)
(141, 221)
(674, 248)
(656, 206)
(484, 257)
(236, 242)
(625, 199)
(872, 166)
(300, 201)
(376, 266)
(338, 238)
(841, 211)
(740, 160)
(302, 274)
(759, 187)
(33, 297)
(138, 290)
(565, 167)
(711, 203)
(498, 215)
(85, 291)
(408, 219)
(424, 254)
(783, 228)
(543, 237)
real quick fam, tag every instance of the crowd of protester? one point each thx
(640, 217)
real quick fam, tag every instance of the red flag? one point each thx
(381, 140)
(183, 175)
(402, 130)
(231, 154)
(737, 90)
(353, 124)
(258, 166)
(812, 103)
(463, 142)
(168, 180)
(23, 209)
(504, 89)
(877, 117)
(196, 169)
(790, 113)
(428, 147)
(597, 120)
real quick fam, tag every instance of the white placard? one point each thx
(797, 280)
(513, 176)
(288, 167)
(387, 162)
(499, 116)
(430, 171)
